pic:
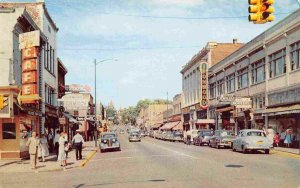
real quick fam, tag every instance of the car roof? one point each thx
(247, 130)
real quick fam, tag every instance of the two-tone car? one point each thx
(109, 141)
(203, 137)
(134, 136)
(222, 138)
(251, 140)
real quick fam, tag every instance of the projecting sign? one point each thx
(204, 101)
(242, 103)
(76, 88)
(29, 39)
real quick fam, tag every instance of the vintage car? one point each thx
(221, 138)
(203, 137)
(169, 136)
(190, 134)
(134, 136)
(251, 140)
(177, 136)
(109, 141)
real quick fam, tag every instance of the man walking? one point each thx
(56, 142)
(78, 142)
(33, 144)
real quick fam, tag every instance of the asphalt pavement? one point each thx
(156, 163)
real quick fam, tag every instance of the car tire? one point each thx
(233, 149)
(101, 151)
(267, 151)
(244, 150)
(218, 146)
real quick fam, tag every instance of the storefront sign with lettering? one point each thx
(204, 101)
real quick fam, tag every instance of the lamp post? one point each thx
(95, 123)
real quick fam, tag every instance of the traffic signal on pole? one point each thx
(261, 11)
(3, 101)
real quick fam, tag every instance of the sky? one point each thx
(151, 40)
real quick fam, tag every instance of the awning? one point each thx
(293, 109)
(71, 118)
(179, 126)
(205, 121)
(169, 126)
(230, 108)
(157, 125)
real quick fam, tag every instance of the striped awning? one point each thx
(169, 125)
(179, 126)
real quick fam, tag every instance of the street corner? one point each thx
(90, 155)
(285, 154)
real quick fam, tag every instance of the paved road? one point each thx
(155, 163)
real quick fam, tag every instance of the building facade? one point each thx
(258, 85)
(194, 83)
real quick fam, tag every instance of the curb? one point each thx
(88, 158)
(286, 154)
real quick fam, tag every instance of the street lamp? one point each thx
(95, 123)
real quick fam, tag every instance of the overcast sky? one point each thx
(152, 40)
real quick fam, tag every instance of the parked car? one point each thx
(178, 136)
(221, 138)
(109, 141)
(251, 140)
(203, 137)
(169, 136)
(134, 136)
(122, 131)
(192, 134)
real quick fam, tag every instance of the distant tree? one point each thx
(111, 112)
(144, 103)
(129, 115)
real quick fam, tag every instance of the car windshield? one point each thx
(134, 133)
(226, 133)
(107, 136)
(256, 133)
(207, 133)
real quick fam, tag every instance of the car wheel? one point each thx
(233, 149)
(210, 145)
(101, 151)
(267, 151)
(244, 150)
(218, 146)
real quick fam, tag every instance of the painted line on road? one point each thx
(88, 158)
(177, 152)
(286, 154)
(130, 157)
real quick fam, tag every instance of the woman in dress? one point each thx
(288, 138)
(44, 151)
(61, 150)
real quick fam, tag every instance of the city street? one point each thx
(156, 163)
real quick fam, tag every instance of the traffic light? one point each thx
(261, 11)
(3, 101)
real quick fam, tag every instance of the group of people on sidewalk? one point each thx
(39, 147)
(283, 139)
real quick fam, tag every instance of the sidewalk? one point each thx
(288, 150)
(11, 166)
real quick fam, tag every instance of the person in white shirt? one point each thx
(56, 142)
(78, 142)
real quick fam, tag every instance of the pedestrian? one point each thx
(67, 147)
(78, 142)
(288, 138)
(50, 140)
(43, 152)
(33, 143)
(61, 150)
(282, 137)
(276, 139)
(56, 142)
(66, 138)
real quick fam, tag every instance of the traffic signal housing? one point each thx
(261, 11)
(3, 101)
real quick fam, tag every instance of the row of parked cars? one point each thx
(246, 140)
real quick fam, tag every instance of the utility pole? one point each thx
(167, 107)
(95, 122)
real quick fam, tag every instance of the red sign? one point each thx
(29, 75)
(204, 101)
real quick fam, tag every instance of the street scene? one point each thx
(150, 93)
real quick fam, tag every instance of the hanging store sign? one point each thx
(29, 39)
(76, 88)
(29, 43)
(204, 101)
(245, 103)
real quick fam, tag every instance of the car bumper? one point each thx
(225, 144)
(134, 139)
(257, 147)
(109, 147)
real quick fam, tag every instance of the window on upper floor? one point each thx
(49, 95)
(277, 64)
(230, 83)
(258, 102)
(212, 90)
(242, 78)
(295, 56)
(258, 72)
(220, 87)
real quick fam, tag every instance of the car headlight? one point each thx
(114, 140)
(104, 141)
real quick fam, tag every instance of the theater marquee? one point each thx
(204, 82)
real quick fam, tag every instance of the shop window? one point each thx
(212, 90)
(277, 64)
(220, 87)
(9, 131)
(295, 57)
(258, 71)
